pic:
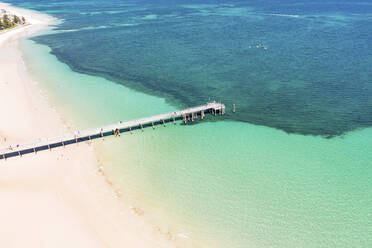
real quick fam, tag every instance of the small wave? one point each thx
(126, 25)
(150, 17)
(284, 15)
(81, 29)
(97, 27)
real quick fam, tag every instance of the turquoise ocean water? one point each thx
(226, 183)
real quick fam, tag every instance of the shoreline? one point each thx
(59, 198)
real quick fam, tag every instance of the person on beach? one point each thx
(117, 133)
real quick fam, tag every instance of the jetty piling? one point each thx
(115, 129)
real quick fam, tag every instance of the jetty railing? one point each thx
(186, 115)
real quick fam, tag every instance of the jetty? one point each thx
(186, 116)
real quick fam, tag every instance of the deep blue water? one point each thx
(300, 66)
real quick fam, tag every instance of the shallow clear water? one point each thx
(223, 184)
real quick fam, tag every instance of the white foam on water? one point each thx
(284, 15)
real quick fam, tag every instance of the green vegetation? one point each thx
(15, 19)
(7, 23)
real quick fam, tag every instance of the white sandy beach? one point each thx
(59, 198)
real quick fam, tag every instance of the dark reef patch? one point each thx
(308, 71)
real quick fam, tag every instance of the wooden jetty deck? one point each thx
(186, 115)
